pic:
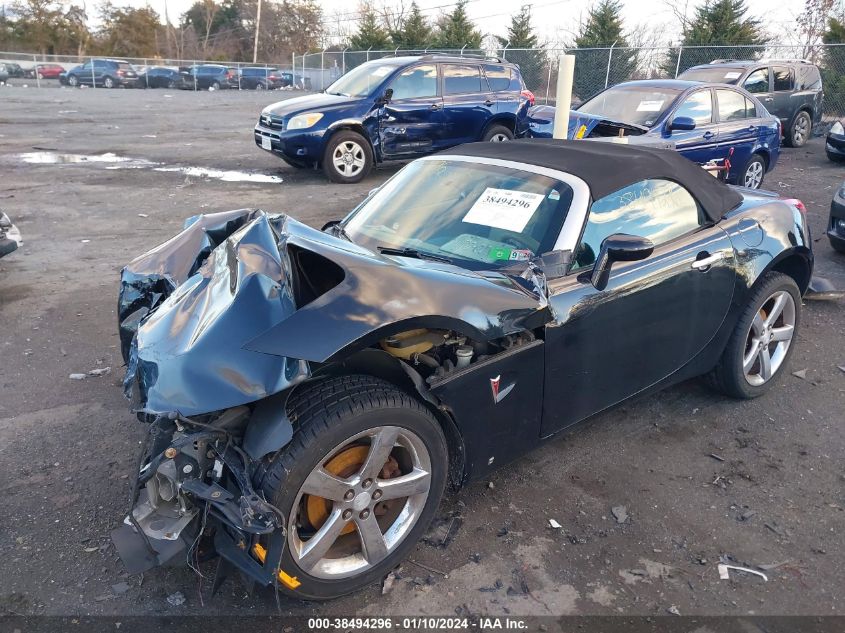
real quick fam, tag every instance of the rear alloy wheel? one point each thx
(348, 157)
(171, 84)
(108, 82)
(259, 86)
(359, 482)
(755, 170)
(497, 134)
(762, 340)
(800, 130)
(215, 85)
(72, 81)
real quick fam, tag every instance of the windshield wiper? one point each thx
(413, 252)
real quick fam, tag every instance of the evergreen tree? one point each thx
(833, 69)
(370, 32)
(521, 35)
(601, 30)
(718, 23)
(414, 33)
(455, 30)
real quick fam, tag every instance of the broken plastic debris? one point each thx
(100, 371)
(801, 373)
(673, 610)
(388, 583)
(619, 513)
(77, 376)
(554, 524)
(821, 289)
(724, 575)
(176, 599)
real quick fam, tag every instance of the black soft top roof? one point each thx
(608, 167)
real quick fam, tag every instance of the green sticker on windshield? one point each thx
(499, 253)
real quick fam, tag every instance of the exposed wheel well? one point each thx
(382, 365)
(795, 266)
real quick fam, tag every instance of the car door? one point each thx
(783, 84)
(85, 73)
(100, 71)
(737, 131)
(700, 144)
(758, 83)
(652, 317)
(468, 103)
(410, 124)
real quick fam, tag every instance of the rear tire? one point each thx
(497, 134)
(752, 332)
(215, 85)
(754, 172)
(108, 82)
(331, 418)
(348, 157)
(800, 129)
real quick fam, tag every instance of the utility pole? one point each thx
(257, 27)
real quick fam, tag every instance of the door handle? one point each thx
(704, 264)
(434, 106)
(489, 102)
(751, 128)
(767, 99)
(708, 135)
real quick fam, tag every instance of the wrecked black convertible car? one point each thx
(310, 394)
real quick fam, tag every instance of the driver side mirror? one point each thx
(618, 247)
(684, 123)
(386, 97)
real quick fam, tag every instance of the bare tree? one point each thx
(812, 24)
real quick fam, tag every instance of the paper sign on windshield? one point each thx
(504, 209)
(732, 75)
(650, 106)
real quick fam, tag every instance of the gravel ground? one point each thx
(773, 496)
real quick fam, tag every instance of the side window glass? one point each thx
(458, 79)
(757, 82)
(698, 107)
(782, 77)
(731, 105)
(498, 77)
(415, 83)
(659, 210)
(750, 109)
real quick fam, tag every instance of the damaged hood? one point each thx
(541, 121)
(234, 308)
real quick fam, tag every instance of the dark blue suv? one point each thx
(397, 108)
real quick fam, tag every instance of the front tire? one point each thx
(359, 482)
(763, 338)
(497, 134)
(348, 157)
(754, 172)
(72, 81)
(800, 130)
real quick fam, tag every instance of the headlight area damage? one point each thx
(218, 327)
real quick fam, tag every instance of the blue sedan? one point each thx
(704, 122)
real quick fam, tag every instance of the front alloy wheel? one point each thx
(72, 81)
(348, 157)
(355, 508)
(359, 482)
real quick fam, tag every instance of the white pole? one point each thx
(565, 73)
(609, 59)
(257, 26)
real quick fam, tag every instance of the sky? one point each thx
(555, 20)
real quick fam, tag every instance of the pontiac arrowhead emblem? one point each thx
(499, 395)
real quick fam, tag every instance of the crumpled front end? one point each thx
(187, 308)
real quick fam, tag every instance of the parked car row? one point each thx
(730, 112)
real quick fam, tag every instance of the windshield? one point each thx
(716, 75)
(361, 81)
(640, 105)
(479, 216)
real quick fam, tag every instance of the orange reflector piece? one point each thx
(287, 580)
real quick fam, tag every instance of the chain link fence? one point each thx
(595, 68)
